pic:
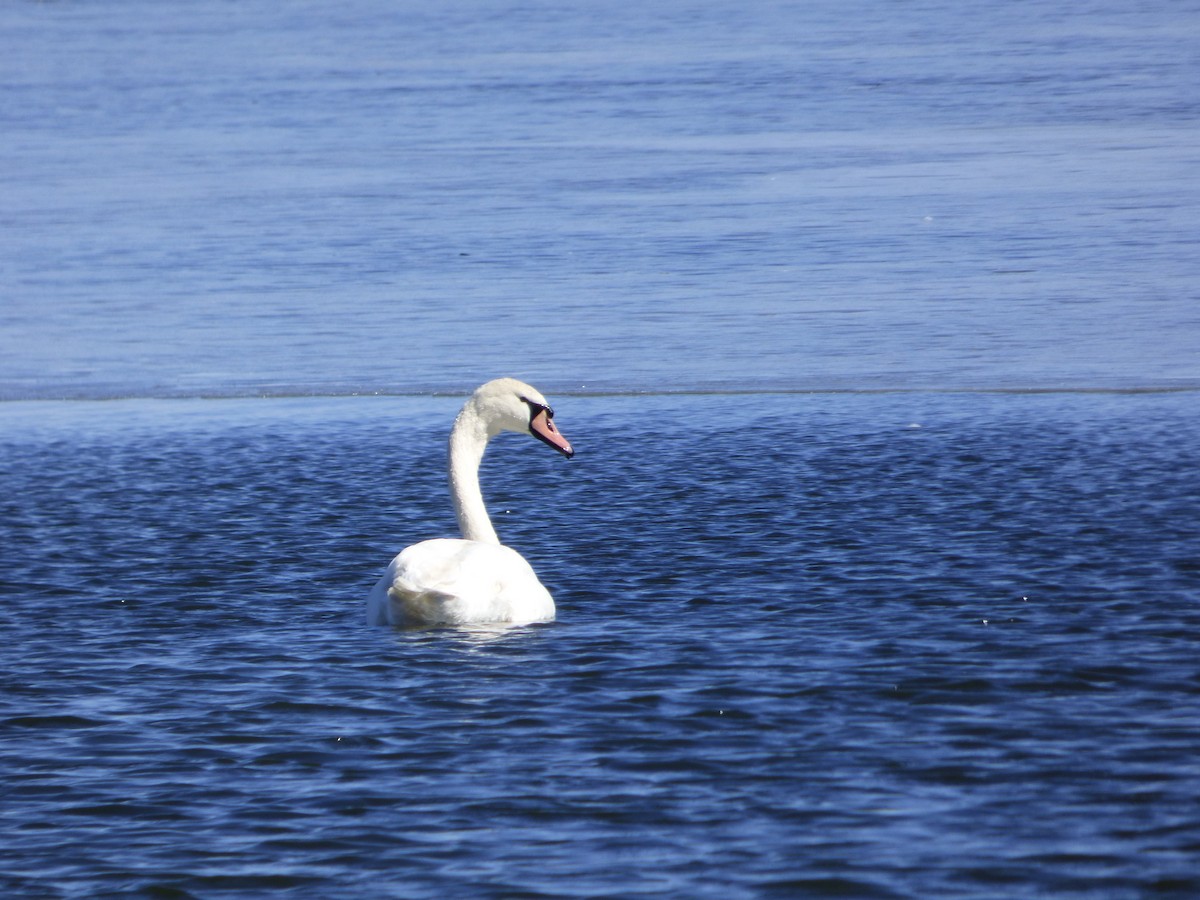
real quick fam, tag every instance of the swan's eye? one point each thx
(535, 408)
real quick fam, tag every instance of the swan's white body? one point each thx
(449, 581)
(473, 579)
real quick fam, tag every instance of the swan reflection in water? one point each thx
(473, 579)
(468, 639)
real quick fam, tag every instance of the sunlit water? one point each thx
(227, 198)
(897, 645)
(844, 609)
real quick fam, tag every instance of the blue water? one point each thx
(234, 198)
(875, 328)
(901, 645)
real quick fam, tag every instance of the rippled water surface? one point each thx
(900, 645)
(230, 198)
(875, 327)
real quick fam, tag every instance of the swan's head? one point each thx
(510, 405)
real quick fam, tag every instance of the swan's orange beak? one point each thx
(541, 426)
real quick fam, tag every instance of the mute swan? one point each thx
(452, 581)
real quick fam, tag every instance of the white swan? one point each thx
(475, 579)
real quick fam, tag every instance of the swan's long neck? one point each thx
(468, 440)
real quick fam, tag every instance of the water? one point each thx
(875, 329)
(239, 198)
(898, 645)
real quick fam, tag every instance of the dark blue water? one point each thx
(875, 327)
(899, 645)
